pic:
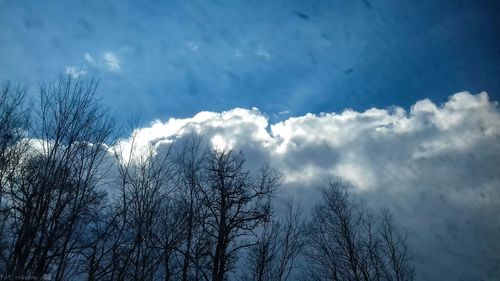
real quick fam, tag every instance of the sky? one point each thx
(287, 58)
(397, 97)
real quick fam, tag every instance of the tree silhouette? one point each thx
(236, 205)
(54, 190)
(280, 243)
(349, 242)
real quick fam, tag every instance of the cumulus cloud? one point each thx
(438, 167)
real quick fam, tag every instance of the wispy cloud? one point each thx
(74, 71)
(262, 52)
(90, 60)
(109, 62)
(112, 62)
(192, 46)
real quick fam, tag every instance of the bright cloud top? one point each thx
(437, 166)
(339, 141)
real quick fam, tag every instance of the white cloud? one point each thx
(111, 61)
(192, 46)
(90, 60)
(437, 166)
(75, 72)
(262, 52)
(238, 53)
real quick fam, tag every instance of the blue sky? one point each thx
(159, 59)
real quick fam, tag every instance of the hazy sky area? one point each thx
(420, 80)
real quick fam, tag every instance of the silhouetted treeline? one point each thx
(77, 203)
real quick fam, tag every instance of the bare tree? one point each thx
(236, 205)
(196, 246)
(261, 257)
(396, 263)
(105, 240)
(280, 243)
(291, 240)
(55, 190)
(167, 217)
(146, 210)
(349, 242)
(13, 126)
